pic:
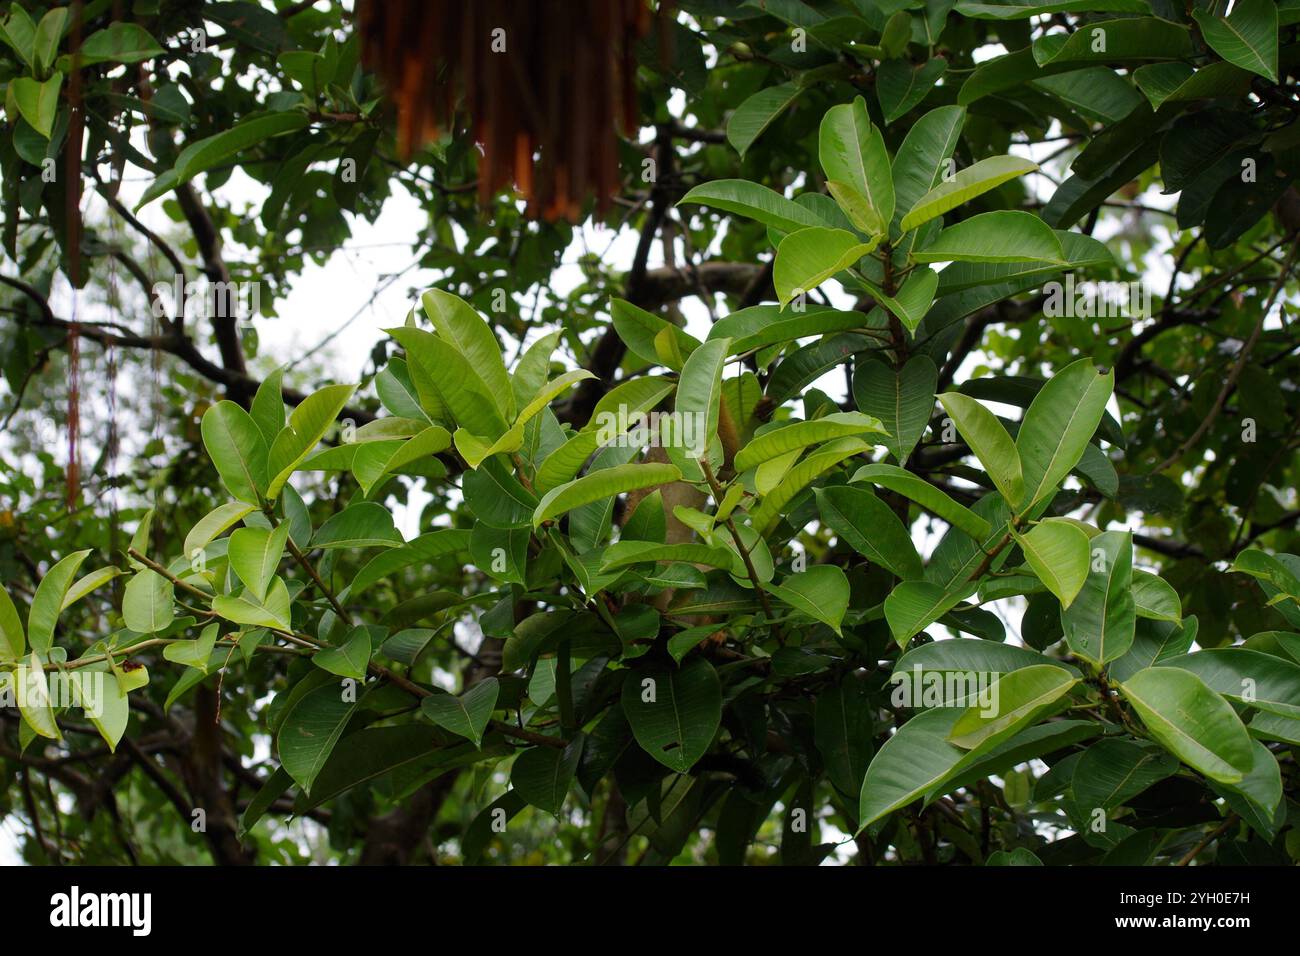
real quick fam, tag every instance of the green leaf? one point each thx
(917, 757)
(674, 712)
(465, 330)
(842, 730)
(914, 299)
(35, 703)
(1019, 698)
(1024, 9)
(366, 524)
(307, 426)
(348, 659)
(1155, 598)
(914, 605)
(148, 604)
(639, 330)
(85, 585)
(1247, 36)
(1191, 721)
(214, 523)
(267, 409)
(237, 449)
(971, 657)
(627, 552)
(310, 731)
(919, 165)
(798, 435)
(852, 151)
(19, 32)
(244, 609)
(1099, 625)
(38, 102)
(926, 495)
(760, 325)
(543, 775)
(807, 258)
(1058, 425)
(47, 602)
(754, 202)
(699, 396)
(605, 483)
(989, 440)
(968, 183)
(255, 554)
(1115, 41)
(1111, 772)
(206, 153)
(45, 43)
(800, 476)
(420, 551)
(466, 715)
(1258, 680)
(821, 592)
(1057, 551)
(1007, 235)
(13, 639)
(871, 528)
(118, 43)
(901, 86)
(902, 399)
(757, 113)
(196, 653)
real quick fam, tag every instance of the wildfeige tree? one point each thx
(706, 624)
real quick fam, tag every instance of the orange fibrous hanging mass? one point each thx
(545, 84)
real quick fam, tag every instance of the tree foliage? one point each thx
(912, 546)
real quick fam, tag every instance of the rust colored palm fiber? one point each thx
(544, 110)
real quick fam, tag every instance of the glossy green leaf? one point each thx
(852, 151)
(821, 592)
(237, 448)
(964, 186)
(757, 113)
(871, 528)
(1058, 425)
(807, 258)
(1100, 625)
(1246, 37)
(674, 712)
(989, 440)
(926, 495)
(1057, 552)
(901, 398)
(1007, 235)
(1191, 721)
(466, 715)
(602, 484)
(47, 602)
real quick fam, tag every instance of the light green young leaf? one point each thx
(196, 653)
(852, 151)
(465, 330)
(255, 554)
(605, 483)
(968, 183)
(807, 258)
(38, 102)
(1008, 235)
(13, 639)
(1022, 696)
(989, 440)
(1058, 425)
(1057, 551)
(149, 602)
(1099, 626)
(798, 435)
(47, 602)
(307, 426)
(237, 449)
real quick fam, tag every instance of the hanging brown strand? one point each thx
(545, 83)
